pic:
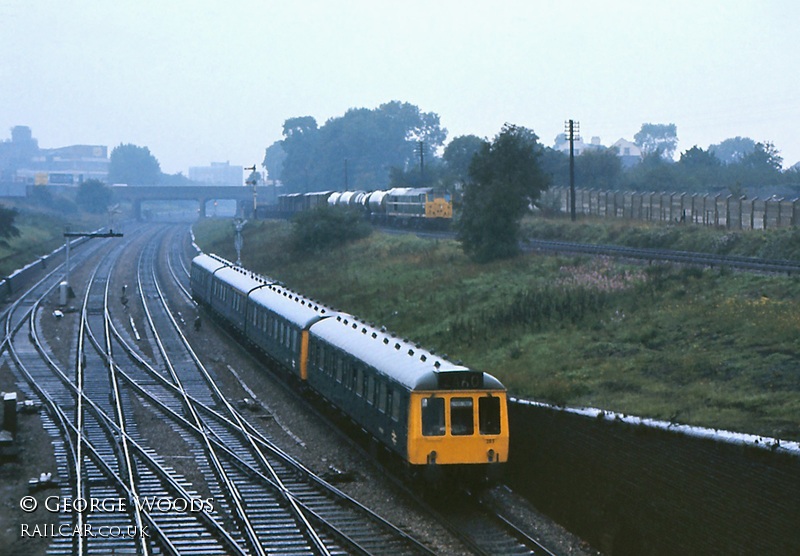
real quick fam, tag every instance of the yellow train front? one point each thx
(442, 420)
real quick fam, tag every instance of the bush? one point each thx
(324, 227)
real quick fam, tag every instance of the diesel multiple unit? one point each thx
(438, 417)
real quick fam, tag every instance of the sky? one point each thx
(213, 81)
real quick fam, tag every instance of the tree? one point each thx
(274, 157)
(93, 196)
(133, 165)
(362, 145)
(8, 228)
(732, 150)
(759, 168)
(653, 173)
(458, 155)
(700, 170)
(325, 227)
(175, 180)
(505, 179)
(698, 158)
(764, 157)
(598, 168)
(657, 137)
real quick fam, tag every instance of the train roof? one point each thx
(408, 191)
(210, 263)
(295, 308)
(404, 362)
(240, 279)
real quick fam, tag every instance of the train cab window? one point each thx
(433, 416)
(461, 420)
(489, 415)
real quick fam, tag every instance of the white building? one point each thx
(626, 150)
(629, 152)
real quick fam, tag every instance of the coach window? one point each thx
(339, 369)
(396, 405)
(359, 381)
(371, 389)
(432, 416)
(461, 420)
(382, 395)
(489, 415)
(352, 377)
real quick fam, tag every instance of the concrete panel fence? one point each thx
(719, 210)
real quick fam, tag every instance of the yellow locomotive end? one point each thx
(438, 205)
(458, 427)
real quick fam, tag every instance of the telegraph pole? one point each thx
(422, 162)
(572, 128)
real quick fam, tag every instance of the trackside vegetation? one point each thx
(325, 227)
(707, 347)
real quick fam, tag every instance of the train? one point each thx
(440, 420)
(408, 207)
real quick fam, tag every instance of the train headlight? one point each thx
(432, 457)
(490, 453)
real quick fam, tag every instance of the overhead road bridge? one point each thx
(137, 194)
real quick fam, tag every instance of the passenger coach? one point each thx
(439, 418)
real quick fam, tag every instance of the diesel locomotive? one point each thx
(407, 207)
(439, 419)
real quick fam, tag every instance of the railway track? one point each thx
(258, 500)
(752, 264)
(252, 498)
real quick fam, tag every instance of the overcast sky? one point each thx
(204, 81)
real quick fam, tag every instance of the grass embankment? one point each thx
(704, 347)
(40, 233)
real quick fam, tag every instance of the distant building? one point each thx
(629, 152)
(562, 144)
(23, 162)
(219, 173)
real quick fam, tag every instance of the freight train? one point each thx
(441, 420)
(419, 207)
